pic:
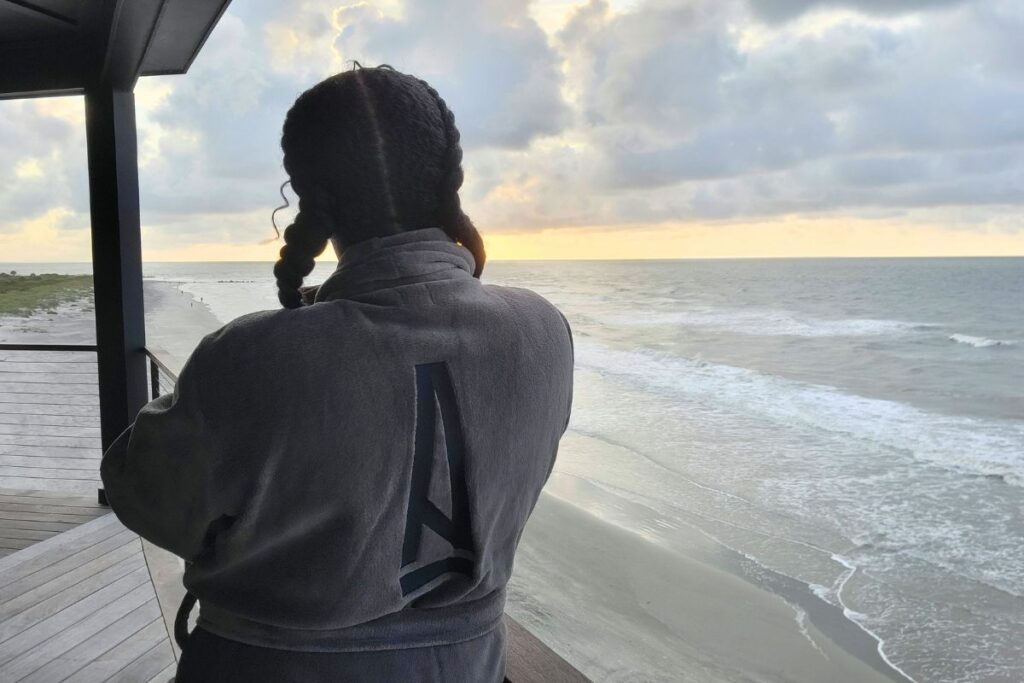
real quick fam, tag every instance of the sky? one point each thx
(591, 128)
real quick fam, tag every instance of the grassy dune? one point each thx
(24, 294)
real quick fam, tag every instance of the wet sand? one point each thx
(175, 322)
(71, 322)
(691, 619)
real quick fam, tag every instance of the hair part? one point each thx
(369, 152)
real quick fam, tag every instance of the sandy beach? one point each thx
(175, 322)
(692, 619)
(70, 322)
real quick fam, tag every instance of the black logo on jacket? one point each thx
(433, 381)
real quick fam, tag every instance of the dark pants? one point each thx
(209, 658)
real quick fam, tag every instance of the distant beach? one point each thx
(46, 308)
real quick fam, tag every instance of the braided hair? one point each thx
(370, 152)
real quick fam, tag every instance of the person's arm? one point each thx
(572, 349)
(160, 474)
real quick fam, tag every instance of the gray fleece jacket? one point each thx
(355, 475)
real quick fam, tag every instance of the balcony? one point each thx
(81, 597)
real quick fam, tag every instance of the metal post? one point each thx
(154, 379)
(116, 257)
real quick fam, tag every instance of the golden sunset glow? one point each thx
(783, 238)
(40, 240)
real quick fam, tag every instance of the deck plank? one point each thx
(113, 661)
(52, 527)
(51, 571)
(57, 500)
(43, 506)
(29, 515)
(102, 525)
(111, 636)
(165, 675)
(155, 660)
(48, 409)
(111, 566)
(32, 534)
(78, 486)
(81, 606)
(71, 629)
(48, 625)
(132, 570)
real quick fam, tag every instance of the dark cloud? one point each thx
(676, 110)
(44, 161)
(704, 122)
(781, 10)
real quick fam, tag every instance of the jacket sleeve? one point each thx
(160, 474)
(572, 350)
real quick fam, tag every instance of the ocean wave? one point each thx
(979, 342)
(961, 444)
(766, 322)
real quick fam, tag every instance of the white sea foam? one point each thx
(976, 446)
(764, 322)
(979, 342)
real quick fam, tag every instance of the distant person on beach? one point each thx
(347, 479)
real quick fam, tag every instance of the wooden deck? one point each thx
(77, 599)
(27, 517)
(80, 606)
(49, 421)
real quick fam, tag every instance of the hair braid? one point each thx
(305, 239)
(453, 219)
(369, 152)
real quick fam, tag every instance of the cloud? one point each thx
(781, 10)
(489, 60)
(690, 119)
(42, 143)
(213, 136)
(658, 111)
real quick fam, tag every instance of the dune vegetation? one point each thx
(25, 294)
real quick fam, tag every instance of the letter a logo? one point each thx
(433, 391)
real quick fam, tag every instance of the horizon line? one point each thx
(554, 259)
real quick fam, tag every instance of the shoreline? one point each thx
(175, 321)
(687, 613)
(71, 321)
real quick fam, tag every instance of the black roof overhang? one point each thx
(52, 47)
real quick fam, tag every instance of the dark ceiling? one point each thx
(64, 46)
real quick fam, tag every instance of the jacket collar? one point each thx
(421, 255)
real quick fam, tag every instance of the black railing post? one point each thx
(154, 378)
(116, 256)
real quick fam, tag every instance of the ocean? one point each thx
(851, 427)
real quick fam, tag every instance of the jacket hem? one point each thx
(405, 629)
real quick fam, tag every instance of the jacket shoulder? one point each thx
(532, 305)
(522, 298)
(254, 340)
